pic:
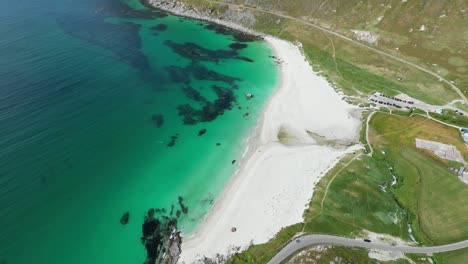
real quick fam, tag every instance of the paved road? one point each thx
(259, 9)
(310, 240)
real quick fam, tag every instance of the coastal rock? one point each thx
(202, 132)
(173, 140)
(232, 17)
(158, 120)
(125, 218)
(160, 27)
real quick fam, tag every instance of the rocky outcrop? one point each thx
(232, 17)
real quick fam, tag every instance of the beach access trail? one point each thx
(275, 180)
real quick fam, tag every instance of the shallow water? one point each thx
(91, 93)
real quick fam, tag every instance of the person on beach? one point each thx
(151, 238)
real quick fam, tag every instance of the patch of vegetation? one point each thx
(337, 255)
(451, 117)
(461, 106)
(401, 112)
(264, 252)
(418, 111)
(455, 257)
(433, 197)
(349, 199)
(362, 132)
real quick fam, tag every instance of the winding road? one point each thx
(310, 240)
(259, 9)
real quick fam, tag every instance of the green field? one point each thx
(454, 257)
(433, 196)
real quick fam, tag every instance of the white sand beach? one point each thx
(275, 181)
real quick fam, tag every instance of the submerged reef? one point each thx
(209, 110)
(193, 94)
(238, 46)
(196, 52)
(173, 140)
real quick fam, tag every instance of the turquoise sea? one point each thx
(101, 107)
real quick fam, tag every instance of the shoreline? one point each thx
(274, 182)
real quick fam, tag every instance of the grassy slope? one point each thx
(442, 43)
(433, 195)
(337, 255)
(453, 257)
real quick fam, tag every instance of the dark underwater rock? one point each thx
(196, 52)
(245, 59)
(172, 141)
(182, 206)
(178, 74)
(172, 210)
(238, 46)
(125, 218)
(210, 110)
(158, 120)
(202, 132)
(193, 94)
(160, 27)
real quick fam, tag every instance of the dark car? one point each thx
(367, 240)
